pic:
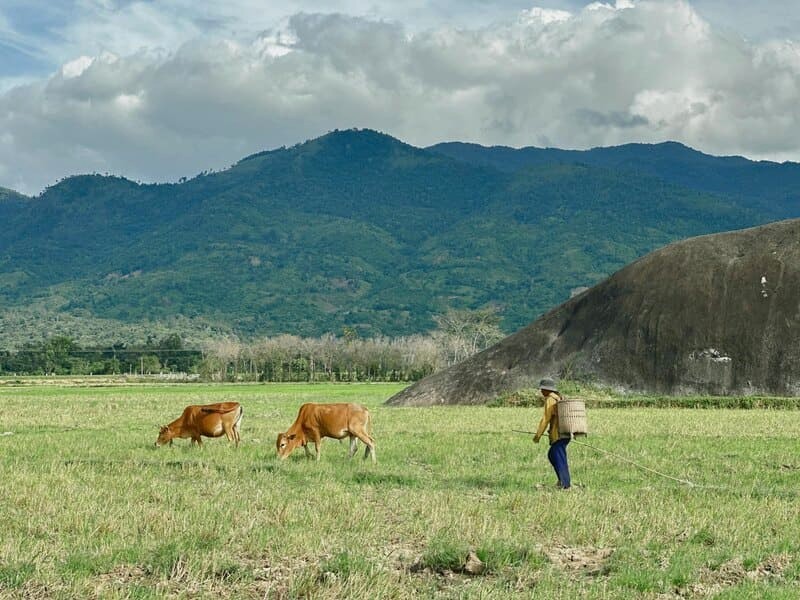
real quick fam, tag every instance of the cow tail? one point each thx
(239, 417)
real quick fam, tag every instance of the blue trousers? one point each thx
(557, 455)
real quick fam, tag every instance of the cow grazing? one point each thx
(210, 420)
(316, 421)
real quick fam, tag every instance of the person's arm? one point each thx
(548, 414)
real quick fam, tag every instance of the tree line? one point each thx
(61, 355)
(282, 358)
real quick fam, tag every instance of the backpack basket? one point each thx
(572, 417)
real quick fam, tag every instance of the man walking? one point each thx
(557, 455)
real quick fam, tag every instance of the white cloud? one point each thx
(544, 15)
(607, 74)
(75, 68)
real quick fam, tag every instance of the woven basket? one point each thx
(572, 417)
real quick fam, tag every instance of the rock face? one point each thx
(717, 314)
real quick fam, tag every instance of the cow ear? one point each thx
(291, 437)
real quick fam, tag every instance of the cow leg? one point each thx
(369, 443)
(228, 429)
(317, 444)
(232, 432)
(370, 451)
(237, 425)
(198, 441)
(308, 452)
(236, 436)
(353, 445)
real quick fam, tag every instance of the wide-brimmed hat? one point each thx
(548, 384)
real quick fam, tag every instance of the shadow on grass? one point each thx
(444, 483)
(768, 493)
(50, 429)
(385, 479)
(172, 464)
(486, 483)
(264, 468)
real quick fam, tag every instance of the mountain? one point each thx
(7, 195)
(773, 187)
(10, 203)
(714, 314)
(353, 229)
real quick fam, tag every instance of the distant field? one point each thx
(89, 508)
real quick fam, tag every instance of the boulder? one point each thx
(717, 314)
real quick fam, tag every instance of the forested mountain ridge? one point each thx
(773, 187)
(353, 229)
(7, 195)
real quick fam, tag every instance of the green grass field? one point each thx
(89, 508)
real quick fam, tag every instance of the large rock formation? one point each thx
(717, 314)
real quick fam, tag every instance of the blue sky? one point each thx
(159, 90)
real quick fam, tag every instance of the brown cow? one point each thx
(210, 420)
(316, 421)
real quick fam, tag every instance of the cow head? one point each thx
(165, 434)
(286, 443)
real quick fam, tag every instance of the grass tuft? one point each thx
(444, 553)
(14, 575)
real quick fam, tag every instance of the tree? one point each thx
(222, 356)
(467, 332)
(55, 354)
(149, 363)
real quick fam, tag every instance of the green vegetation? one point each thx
(769, 185)
(598, 397)
(92, 510)
(351, 230)
(282, 358)
(62, 356)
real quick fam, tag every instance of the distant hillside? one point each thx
(10, 203)
(714, 314)
(353, 229)
(773, 187)
(10, 195)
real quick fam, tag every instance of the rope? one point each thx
(627, 460)
(691, 484)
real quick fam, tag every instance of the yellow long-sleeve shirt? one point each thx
(550, 417)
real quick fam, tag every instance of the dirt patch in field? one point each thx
(33, 590)
(274, 580)
(586, 560)
(732, 573)
(179, 582)
(400, 554)
(120, 576)
(126, 574)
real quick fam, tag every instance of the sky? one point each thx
(156, 90)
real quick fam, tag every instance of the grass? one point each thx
(91, 509)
